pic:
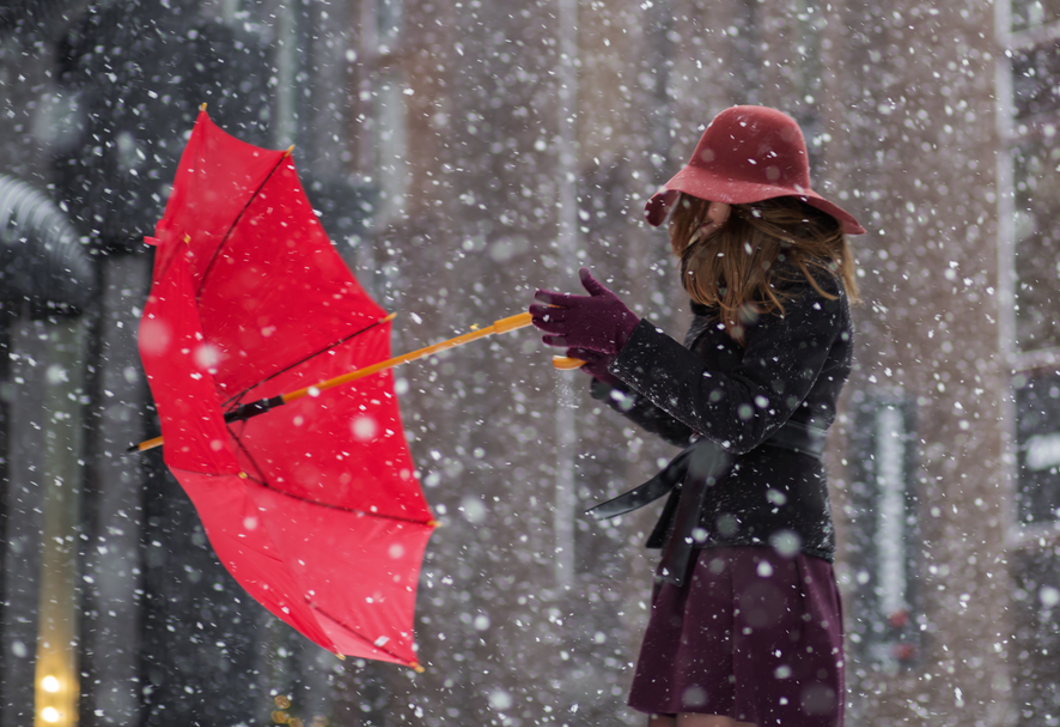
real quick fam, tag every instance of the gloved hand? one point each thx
(595, 364)
(598, 321)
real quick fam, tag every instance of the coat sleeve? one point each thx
(743, 407)
(642, 412)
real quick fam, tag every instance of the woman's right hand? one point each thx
(598, 321)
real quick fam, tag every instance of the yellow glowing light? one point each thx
(50, 714)
(50, 684)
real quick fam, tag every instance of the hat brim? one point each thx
(703, 185)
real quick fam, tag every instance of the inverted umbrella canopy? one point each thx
(313, 508)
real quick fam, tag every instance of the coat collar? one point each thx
(702, 310)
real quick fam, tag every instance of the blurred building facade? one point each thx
(464, 153)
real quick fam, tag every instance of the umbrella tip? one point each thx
(145, 445)
(341, 657)
(290, 150)
(203, 106)
(416, 667)
(390, 317)
(434, 523)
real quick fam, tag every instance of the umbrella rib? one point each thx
(261, 480)
(217, 251)
(353, 630)
(236, 398)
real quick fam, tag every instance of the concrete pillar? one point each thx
(113, 596)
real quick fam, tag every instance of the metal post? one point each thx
(112, 599)
(566, 434)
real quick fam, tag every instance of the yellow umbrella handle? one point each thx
(566, 363)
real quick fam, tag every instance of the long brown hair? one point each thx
(738, 267)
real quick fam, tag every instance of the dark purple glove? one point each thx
(598, 321)
(595, 365)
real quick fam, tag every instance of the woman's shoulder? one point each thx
(809, 304)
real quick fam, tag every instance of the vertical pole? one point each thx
(287, 75)
(566, 433)
(41, 679)
(1008, 344)
(24, 501)
(57, 671)
(113, 600)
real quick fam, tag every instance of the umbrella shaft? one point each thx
(254, 408)
(511, 323)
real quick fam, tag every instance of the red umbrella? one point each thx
(314, 508)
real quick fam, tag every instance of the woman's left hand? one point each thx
(598, 321)
(595, 365)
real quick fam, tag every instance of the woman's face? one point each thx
(717, 215)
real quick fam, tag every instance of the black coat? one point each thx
(793, 367)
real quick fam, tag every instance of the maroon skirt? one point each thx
(751, 635)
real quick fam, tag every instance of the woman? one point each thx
(745, 626)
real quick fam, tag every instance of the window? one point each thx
(1038, 447)
(1029, 216)
(1028, 14)
(1030, 238)
(885, 538)
(1036, 182)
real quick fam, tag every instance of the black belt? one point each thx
(699, 467)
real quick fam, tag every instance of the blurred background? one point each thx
(463, 153)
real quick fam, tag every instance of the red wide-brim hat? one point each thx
(747, 154)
